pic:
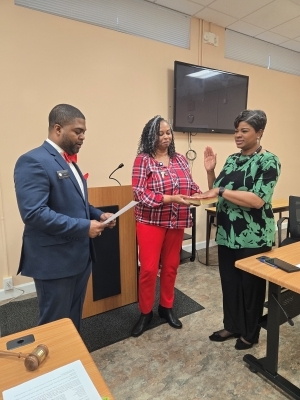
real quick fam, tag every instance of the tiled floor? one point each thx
(165, 363)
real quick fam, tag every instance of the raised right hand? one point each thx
(210, 159)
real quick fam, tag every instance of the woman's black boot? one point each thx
(142, 323)
(167, 313)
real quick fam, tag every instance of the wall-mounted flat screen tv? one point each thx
(206, 99)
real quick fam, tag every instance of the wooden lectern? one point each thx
(116, 254)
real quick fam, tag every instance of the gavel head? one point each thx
(36, 357)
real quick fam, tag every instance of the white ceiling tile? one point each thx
(274, 21)
(238, 8)
(245, 28)
(273, 14)
(290, 29)
(215, 17)
(292, 45)
(184, 6)
(271, 37)
(203, 2)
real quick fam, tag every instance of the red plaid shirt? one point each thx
(151, 180)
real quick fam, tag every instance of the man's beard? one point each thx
(69, 147)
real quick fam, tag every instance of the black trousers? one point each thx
(243, 293)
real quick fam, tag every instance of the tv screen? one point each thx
(206, 99)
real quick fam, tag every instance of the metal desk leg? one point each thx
(193, 212)
(209, 217)
(268, 365)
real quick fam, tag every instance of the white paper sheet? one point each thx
(70, 382)
(120, 212)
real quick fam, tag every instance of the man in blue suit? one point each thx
(57, 250)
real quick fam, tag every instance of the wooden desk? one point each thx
(278, 206)
(65, 346)
(268, 366)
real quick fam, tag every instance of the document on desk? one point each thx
(68, 382)
(120, 212)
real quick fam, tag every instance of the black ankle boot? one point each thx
(167, 313)
(142, 323)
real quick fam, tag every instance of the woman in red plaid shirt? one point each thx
(160, 180)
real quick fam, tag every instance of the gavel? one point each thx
(33, 359)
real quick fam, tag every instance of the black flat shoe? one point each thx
(141, 325)
(216, 337)
(167, 314)
(240, 345)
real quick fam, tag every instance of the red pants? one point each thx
(157, 245)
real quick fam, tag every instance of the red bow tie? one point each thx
(70, 157)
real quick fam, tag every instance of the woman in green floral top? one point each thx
(245, 225)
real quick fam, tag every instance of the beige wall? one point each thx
(119, 82)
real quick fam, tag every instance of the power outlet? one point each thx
(8, 283)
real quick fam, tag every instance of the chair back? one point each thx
(294, 217)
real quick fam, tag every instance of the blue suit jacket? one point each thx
(55, 213)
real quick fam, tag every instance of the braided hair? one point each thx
(150, 136)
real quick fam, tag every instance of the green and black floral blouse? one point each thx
(243, 227)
